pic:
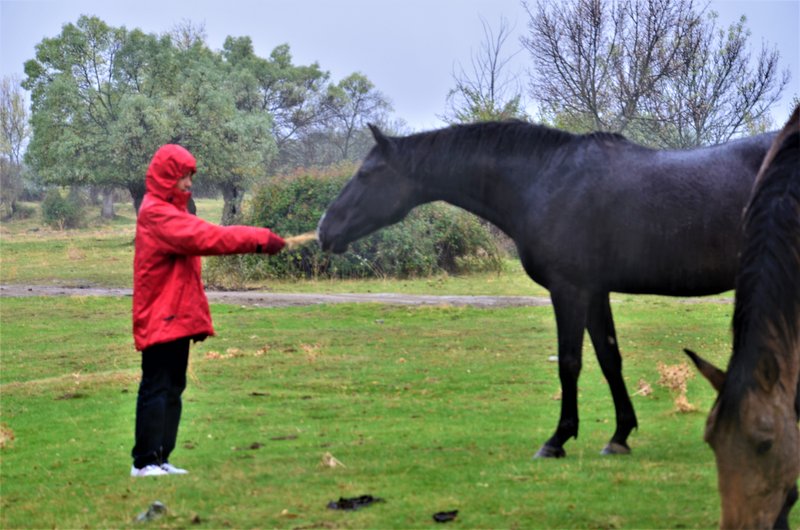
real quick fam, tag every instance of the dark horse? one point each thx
(753, 424)
(589, 214)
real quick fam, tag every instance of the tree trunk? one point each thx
(232, 207)
(136, 190)
(94, 195)
(107, 210)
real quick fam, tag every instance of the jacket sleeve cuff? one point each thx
(274, 244)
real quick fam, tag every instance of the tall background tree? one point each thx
(233, 146)
(15, 133)
(104, 99)
(82, 82)
(718, 89)
(350, 105)
(659, 71)
(488, 90)
(291, 94)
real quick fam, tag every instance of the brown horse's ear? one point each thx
(714, 375)
(383, 141)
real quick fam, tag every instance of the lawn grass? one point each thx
(429, 408)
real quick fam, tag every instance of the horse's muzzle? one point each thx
(323, 235)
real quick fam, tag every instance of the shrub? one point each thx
(22, 211)
(434, 238)
(61, 212)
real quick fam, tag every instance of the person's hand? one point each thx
(275, 244)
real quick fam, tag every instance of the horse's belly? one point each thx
(667, 277)
(674, 289)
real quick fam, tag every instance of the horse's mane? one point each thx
(608, 136)
(463, 142)
(766, 321)
(500, 138)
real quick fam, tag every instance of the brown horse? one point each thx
(753, 426)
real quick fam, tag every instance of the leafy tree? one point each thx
(487, 92)
(15, 133)
(350, 105)
(291, 94)
(658, 71)
(314, 122)
(233, 145)
(104, 99)
(80, 83)
(240, 159)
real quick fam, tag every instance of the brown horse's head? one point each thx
(756, 443)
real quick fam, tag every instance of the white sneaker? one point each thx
(152, 470)
(172, 470)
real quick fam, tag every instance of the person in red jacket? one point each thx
(170, 308)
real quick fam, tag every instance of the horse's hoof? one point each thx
(614, 448)
(550, 452)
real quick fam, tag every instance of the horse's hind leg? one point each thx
(570, 307)
(600, 324)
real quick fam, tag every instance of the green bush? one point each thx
(23, 211)
(61, 212)
(434, 238)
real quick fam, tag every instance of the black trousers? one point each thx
(158, 405)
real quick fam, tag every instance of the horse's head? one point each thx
(378, 195)
(756, 443)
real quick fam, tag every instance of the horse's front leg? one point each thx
(570, 307)
(600, 324)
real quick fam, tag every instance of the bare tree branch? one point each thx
(486, 92)
(657, 70)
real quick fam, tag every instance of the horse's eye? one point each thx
(763, 447)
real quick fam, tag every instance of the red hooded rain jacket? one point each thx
(169, 302)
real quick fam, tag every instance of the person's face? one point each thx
(184, 183)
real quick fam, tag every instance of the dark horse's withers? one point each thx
(753, 425)
(590, 214)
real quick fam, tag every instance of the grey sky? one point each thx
(408, 48)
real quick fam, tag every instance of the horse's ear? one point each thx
(714, 375)
(384, 142)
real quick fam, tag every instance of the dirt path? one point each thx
(262, 299)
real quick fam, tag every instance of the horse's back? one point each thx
(631, 219)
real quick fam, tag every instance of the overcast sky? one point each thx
(407, 48)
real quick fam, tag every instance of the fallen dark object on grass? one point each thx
(353, 503)
(445, 517)
(154, 511)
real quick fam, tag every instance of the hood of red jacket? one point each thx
(170, 163)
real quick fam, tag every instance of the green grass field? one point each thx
(429, 408)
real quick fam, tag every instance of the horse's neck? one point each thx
(485, 191)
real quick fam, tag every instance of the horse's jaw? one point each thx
(330, 243)
(334, 247)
